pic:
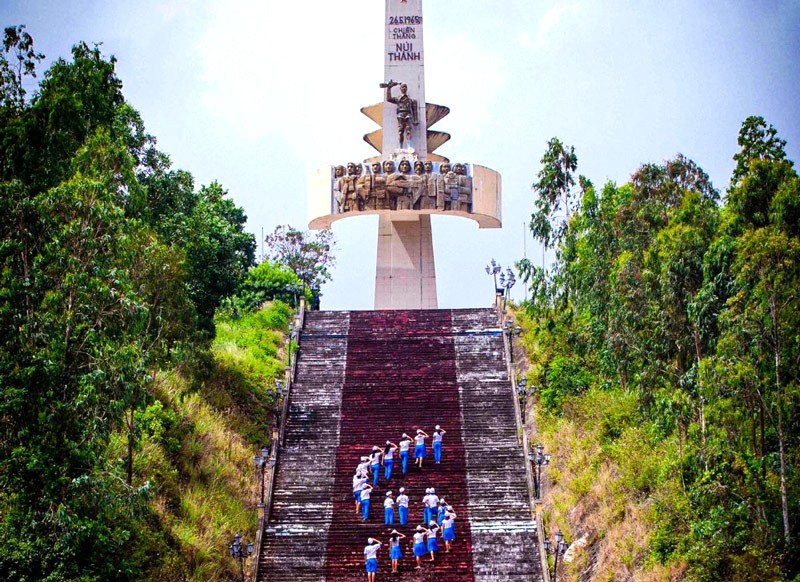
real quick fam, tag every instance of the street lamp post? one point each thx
(493, 269)
(539, 458)
(289, 342)
(293, 288)
(240, 551)
(559, 550)
(522, 392)
(278, 401)
(260, 462)
(507, 281)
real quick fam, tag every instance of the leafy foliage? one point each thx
(309, 257)
(111, 270)
(691, 309)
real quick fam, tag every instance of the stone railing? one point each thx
(536, 515)
(278, 434)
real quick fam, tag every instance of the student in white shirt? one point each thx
(359, 481)
(437, 443)
(449, 527)
(419, 447)
(419, 545)
(388, 459)
(366, 493)
(395, 551)
(375, 465)
(405, 443)
(402, 506)
(388, 509)
(371, 558)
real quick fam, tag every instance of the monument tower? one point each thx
(406, 183)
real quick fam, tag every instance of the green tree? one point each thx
(758, 141)
(308, 256)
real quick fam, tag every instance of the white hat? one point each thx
(405, 436)
(432, 523)
(433, 490)
(419, 430)
(365, 458)
(394, 531)
(388, 493)
(428, 490)
(420, 528)
(375, 449)
(449, 508)
(370, 541)
(388, 442)
(402, 489)
(438, 427)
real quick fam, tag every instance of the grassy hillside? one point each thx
(198, 438)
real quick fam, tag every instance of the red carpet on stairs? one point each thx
(400, 376)
(364, 378)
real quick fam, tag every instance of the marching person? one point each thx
(359, 481)
(395, 551)
(388, 509)
(449, 528)
(441, 512)
(363, 466)
(371, 558)
(432, 504)
(433, 543)
(405, 443)
(419, 545)
(419, 447)
(426, 516)
(388, 459)
(437, 443)
(366, 493)
(402, 506)
(375, 465)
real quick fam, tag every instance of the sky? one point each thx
(257, 94)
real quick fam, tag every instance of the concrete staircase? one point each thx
(367, 377)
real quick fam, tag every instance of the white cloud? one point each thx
(170, 9)
(552, 19)
(468, 81)
(281, 68)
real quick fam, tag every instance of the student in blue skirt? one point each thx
(419, 545)
(419, 447)
(449, 528)
(433, 543)
(371, 558)
(395, 552)
(359, 481)
(441, 512)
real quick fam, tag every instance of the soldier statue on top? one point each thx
(407, 112)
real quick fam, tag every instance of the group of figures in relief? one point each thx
(437, 517)
(385, 186)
